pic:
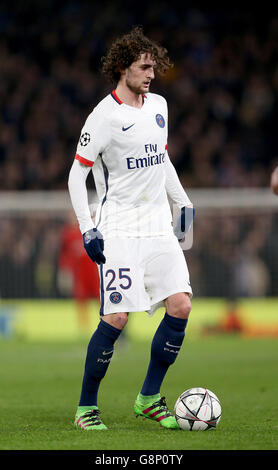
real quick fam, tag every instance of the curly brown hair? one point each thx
(127, 49)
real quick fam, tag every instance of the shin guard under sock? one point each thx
(99, 354)
(165, 347)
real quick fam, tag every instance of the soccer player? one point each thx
(141, 263)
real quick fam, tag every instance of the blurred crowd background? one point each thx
(222, 93)
(223, 111)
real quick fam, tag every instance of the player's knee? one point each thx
(181, 308)
(118, 320)
(121, 320)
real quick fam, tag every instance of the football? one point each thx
(197, 409)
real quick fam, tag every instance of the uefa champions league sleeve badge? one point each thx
(85, 139)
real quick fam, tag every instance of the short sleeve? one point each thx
(94, 138)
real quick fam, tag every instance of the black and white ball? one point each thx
(85, 139)
(197, 409)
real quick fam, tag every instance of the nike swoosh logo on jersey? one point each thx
(126, 128)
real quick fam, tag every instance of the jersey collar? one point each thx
(116, 98)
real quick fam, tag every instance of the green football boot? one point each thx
(156, 410)
(88, 419)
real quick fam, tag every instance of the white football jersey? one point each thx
(127, 150)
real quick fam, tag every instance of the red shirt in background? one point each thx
(73, 258)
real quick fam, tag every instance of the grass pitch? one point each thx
(40, 387)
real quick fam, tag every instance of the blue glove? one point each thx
(184, 222)
(94, 245)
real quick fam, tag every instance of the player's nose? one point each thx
(150, 74)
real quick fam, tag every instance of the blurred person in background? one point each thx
(274, 181)
(77, 275)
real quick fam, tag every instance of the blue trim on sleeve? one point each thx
(106, 176)
(101, 291)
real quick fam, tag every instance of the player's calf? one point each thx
(99, 354)
(165, 348)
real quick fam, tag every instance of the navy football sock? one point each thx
(99, 354)
(165, 347)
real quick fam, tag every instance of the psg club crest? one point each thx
(160, 120)
(85, 139)
(115, 297)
